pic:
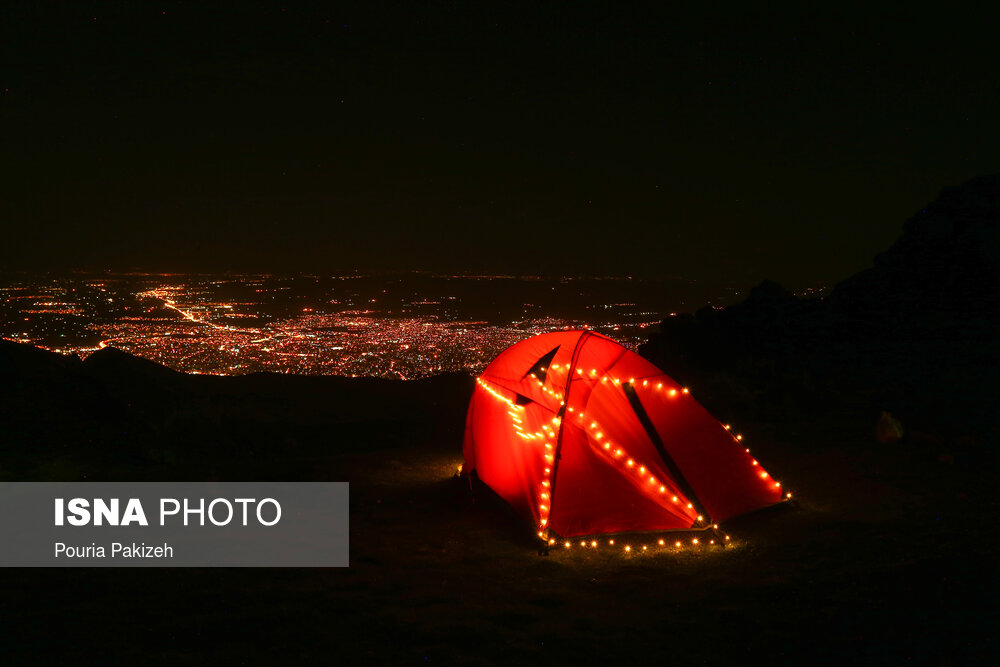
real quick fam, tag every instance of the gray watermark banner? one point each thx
(174, 524)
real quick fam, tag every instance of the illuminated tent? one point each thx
(587, 437)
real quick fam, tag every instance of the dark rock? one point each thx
(914, 334)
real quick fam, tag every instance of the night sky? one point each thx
(620, 138)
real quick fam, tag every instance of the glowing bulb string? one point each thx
(567, 387)
(648, 483)
(546, 433)
(546, 494)
(546, 491)
(643, 542)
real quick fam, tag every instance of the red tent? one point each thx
(587, 437)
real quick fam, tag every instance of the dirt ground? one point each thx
(889, 558)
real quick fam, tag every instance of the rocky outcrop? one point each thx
(915, 334)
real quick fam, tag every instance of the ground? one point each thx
(888, 558)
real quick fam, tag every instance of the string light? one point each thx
(517, 413)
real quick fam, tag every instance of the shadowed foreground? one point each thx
(889, 558)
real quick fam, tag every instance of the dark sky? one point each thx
(616, 138)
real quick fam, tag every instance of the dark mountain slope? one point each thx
(915, 334)
(114, 408)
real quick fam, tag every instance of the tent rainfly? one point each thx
(588, 438)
